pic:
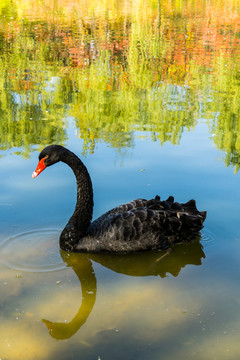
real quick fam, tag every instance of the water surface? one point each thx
(147, 94)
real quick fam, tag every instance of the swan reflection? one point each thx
(82, 266)
(157, 263)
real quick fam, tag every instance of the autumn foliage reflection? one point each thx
(117, 67)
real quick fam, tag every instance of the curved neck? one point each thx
(82, 216)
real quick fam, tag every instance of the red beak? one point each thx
(40, 167)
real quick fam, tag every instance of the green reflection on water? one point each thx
(155, 66)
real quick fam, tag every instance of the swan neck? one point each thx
(82, 216)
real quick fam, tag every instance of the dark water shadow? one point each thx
(154, 263)
(157, 263)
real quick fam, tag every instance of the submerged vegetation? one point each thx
(156, 66)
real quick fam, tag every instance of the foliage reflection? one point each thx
(116, 67)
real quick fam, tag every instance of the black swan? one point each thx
(136, 226)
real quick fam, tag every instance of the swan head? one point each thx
(48, 156)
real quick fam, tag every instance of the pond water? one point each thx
(147, 94)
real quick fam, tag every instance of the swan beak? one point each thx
(40, 167)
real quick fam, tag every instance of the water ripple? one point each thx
(33, 251)
(207, 237)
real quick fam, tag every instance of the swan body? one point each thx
(139, 225)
